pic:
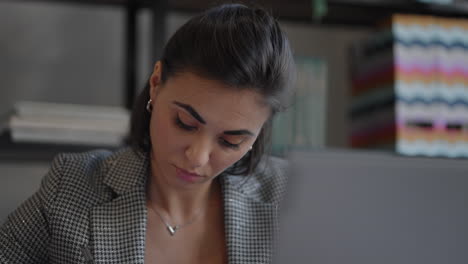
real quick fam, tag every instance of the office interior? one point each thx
(81, 52)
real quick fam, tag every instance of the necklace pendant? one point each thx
(172, 230)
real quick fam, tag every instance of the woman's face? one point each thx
(200, 127)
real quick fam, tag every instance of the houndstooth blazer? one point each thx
(90, 208)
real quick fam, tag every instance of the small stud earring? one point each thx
(149, 107)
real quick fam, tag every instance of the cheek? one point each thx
(163, 134)
(222, 162)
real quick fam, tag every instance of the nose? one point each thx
(198, 153)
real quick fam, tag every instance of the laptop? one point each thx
(373, 208)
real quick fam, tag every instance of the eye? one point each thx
(228, 144)
(184, 126)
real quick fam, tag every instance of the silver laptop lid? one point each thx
(368, 208)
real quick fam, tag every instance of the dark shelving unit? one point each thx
(361, 13)
(352, 13)
(37, 152)
(131, 7)
(369, 13)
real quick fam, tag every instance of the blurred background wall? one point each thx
(60, 53)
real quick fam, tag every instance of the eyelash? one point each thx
(182, 125)
(228, 144)
(222, 141)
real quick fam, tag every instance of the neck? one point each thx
(176, 204)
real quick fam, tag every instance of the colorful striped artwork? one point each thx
(410, 87)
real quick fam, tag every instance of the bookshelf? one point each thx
(362, 13)
(35, 152)
(159, 10)
(344, 13)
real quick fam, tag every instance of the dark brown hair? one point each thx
(240, 46)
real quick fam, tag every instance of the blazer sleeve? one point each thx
(25, 235)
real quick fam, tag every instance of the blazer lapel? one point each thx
(118, 227)
(250, 226)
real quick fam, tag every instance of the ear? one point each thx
(155, 81)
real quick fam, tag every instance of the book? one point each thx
(70, 124)
(48, 110)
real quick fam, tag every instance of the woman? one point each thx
(194, 186)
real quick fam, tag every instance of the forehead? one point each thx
(216, 101)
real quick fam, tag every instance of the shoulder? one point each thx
(76, 165)
(267, 183)
(89, 162)
(84, 174)
(78, 161)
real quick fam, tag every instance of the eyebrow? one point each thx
(192, 111)
(200, 119)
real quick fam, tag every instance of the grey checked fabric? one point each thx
(90, 208)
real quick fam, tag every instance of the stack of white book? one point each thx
(39, 122)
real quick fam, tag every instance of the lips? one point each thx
(189, 173)
(187, 176)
